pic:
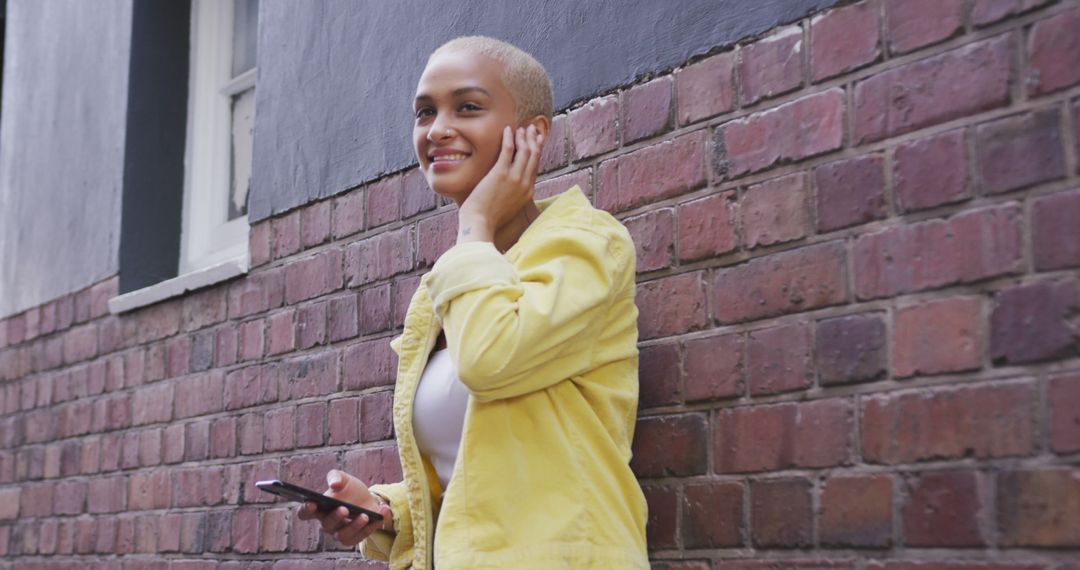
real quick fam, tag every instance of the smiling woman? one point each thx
(517, 386)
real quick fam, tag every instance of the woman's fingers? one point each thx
(355, 531)
(535, 141)
(307, 511)
(506, 154)
(521, 157)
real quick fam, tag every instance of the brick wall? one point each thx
(859, 255)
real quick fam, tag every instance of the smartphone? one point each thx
(302, 495)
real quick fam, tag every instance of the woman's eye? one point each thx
(470, 107)
(423, 112)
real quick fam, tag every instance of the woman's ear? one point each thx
(542, 123)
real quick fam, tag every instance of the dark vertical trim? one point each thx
(153, 192)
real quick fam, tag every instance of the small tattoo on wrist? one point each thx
(466, 231)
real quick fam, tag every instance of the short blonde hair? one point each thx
(527, 80)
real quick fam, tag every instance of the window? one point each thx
(221, 119)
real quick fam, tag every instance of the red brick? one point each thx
(1020, 151)
(202, 351)
(416, 195)
(856, 511)
(367, 365)
(376, 417)
(1076, 134)
(313, 276)
(250, 433)
(850, 192)
(559, 184)
(273, 530)
(9, 503)
(259, 243)
(374, 465)
(660, 528)
(375, 309)
(281, 333)
(845, 39)
(793, 281)
(435, 235)
(706, 88)
(279, 429)
(1062, 394)
(851, 348)
(80, 343)
(201, 486)
(259, 292)
(594, 127)
(670, 446)
(379, 257)
(225, 345)
(658, 377)
(1035, 322)
(223, 437)
(931, 171)
(309, 470)
(981, 421)
(938, 336)
(653, 234)
(310, 375)
(69, 498)
(913, 24)
(286, 234)
(712, 515)
(250, 339)
(554, 155)
(149, 490)
(197, 440)
(771, 66)
(672, 305)
(647, 109)
(774, 437)
(1055, 233)
(986, 12)
(152, 404)
(794, 131)
(968, 247)
(199, 395)
(311, 325)
(942, 509)
(383, 201)
(707, 227)
(245, 530)
(1038, 508)
(779, 359)
(310, 424)
(149, 447)
(343, 422)
(347, 216)
(404, 289)
(250, 386)
(714, 367)
(315, 223)
(781, 514)
(203, 308)
(652, 173)
(775, 211)
(1053, 49)
(958, 83)
(344, 315)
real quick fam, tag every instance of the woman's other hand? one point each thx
(506, 188)
(337, 523)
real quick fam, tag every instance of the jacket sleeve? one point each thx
(386, 546)
(514, 330)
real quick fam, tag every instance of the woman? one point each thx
(517, 390)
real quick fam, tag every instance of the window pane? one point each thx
(245, 32)
(243, 125)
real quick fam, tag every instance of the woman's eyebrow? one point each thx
(457, 92)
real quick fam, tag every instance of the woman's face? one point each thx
(461, 108)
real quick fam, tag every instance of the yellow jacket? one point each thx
(545, 339)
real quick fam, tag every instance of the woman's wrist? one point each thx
(388, 518)
(474, 227)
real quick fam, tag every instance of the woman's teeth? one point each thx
(446, 157)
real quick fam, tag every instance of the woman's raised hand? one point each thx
(506, 188)
(348, 531)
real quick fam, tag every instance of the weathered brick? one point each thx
(985, 12)
(781, 514)
(309, 470)
(250, 433)
(771, 66)
(199, 394)
(404, 289)
(1062, 394)
(856, 511)
(1020, 151)
(966, 248)
(416, 195)
(958, 83)
(436, 234)
(913, 24)
(706, 88)
(1035, 322)
(225, 345)
(658, 377)
(250, 386)
(245, 530)
(850, 192)
(707, 227)
(203, 308)
(670, 446)
(344, 315)
(376, 417)
(647, 109)
(202, 351)
(343, 422)
(774, 437)
(852, 348)
(374, 464)
(653, 234)
(379, 257)
(1038, 508)
(594, 127)
(9, 503)
(150, 447)
(286, 234)
(660, 528)
(152, 404)
(274, 530)
(259, 243)
(714, 367)
(347, 216)
(1055, 234)
(313, 276)
(149, 490)
(779, 359)
(223, 437)
(942, 509)
(845, 39)
(794, 131)
(314, 374)
(793, 281)
(281, 332)
(931, 171)
(1053, 49)
(712, 515)
(197, 440)
(80, 343)
(652, 173)
(250, 339)
(311, 325)
(367, 365)
(383, 201)
(310, 424)
(981, 421)
(315, 223)
(375, 309)
(259, 292)
(672, 305)
(938, 336)
(555, 186)
(775, 211)
(554, 153)
(279, 429)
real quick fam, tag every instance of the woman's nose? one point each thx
(440, 130)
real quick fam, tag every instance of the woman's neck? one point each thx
(508, 235)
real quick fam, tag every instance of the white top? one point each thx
(439, 414)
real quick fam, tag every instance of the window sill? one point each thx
(179, 285)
